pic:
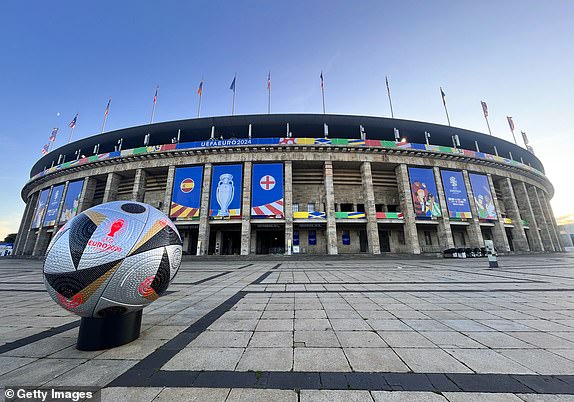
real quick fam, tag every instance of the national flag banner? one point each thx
(45, 149)
(232, 86)
(186, 193)
(322, 81)
(155, 95)
(108, 107)
(226, 192)
(200, 88)
(54, 133)
(269, 80)
(267, 190)
(510, 123)
(443, 96)
(484, 108)
(74, 121)
(524, 138)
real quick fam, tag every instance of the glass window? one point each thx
(311, 207)
(295, 207)
(428, 238)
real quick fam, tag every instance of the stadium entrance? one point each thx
(189, 235)
(225, 239)
(270, 239)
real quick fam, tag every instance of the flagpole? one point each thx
(234, 89)
(154, 102)
(389, 94)
(323, 90)
(487, 125)
(269, 93)
(200, 92)
(445, 108)
(71, 131)
(106, 116)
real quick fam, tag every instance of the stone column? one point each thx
(330, 208)
(474, 232)
(246, 210)
(500, 238)
(542, 219)
(203, 235)
(513, 212)
(406, 201)
(25, 224)
(444, 230)
(138, 191)
(288, 203)
(369, 198)
(551, 219)
(112, 184)
(87, 195)
(526, 211)
(168, 190)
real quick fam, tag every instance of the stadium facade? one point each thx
(303, 184)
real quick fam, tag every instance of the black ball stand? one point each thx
(109, 332)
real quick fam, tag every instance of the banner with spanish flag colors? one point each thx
(186, 194)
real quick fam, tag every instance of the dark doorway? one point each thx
(230, 242)
(270, 242)
(384, 241)
(486, 232)
(189, 237)
(363, 242)
(510, 238)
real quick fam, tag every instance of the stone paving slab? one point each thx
(375, 329)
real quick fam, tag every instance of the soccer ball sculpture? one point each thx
(112, 259)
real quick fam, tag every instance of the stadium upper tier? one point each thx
(275, 125)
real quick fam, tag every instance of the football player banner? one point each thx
(40, 208)
(54, 206)
(482, 196)
(455, 194)
(267, 190)
(424, 192)
(186, 194)
(71, 201)
(226, 189)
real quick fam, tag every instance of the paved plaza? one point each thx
(324, 329)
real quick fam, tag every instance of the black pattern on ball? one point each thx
(132, 208)
(81, 230)
(161, 280)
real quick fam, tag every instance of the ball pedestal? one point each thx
(109, 332)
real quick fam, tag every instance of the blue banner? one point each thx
(186, 194)
(71, 201)
(226, 188)
(424, 192)
(267, 190)
(54, 206)
(40, 208)
(455, 194)
(312, 238)
(482, 196)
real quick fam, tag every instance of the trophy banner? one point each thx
(226, 190)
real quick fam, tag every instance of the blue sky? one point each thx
(67, 57)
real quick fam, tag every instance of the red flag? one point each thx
(200, 88)
(73, 122)
(45, 149)
(54, 133)
(108, 107)
(269, 81)
(510, 123)
(155, 96)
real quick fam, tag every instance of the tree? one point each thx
(11, 238)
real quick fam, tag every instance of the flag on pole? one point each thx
(108, 107)
(322, 81)
(484, 108)
(200, 88)
(443, 96)
(73, 122)
(45, 149)
(524, 138)
(510, 123)
(53, 135)
(155, 96)
(232, 86)
(269, 81)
